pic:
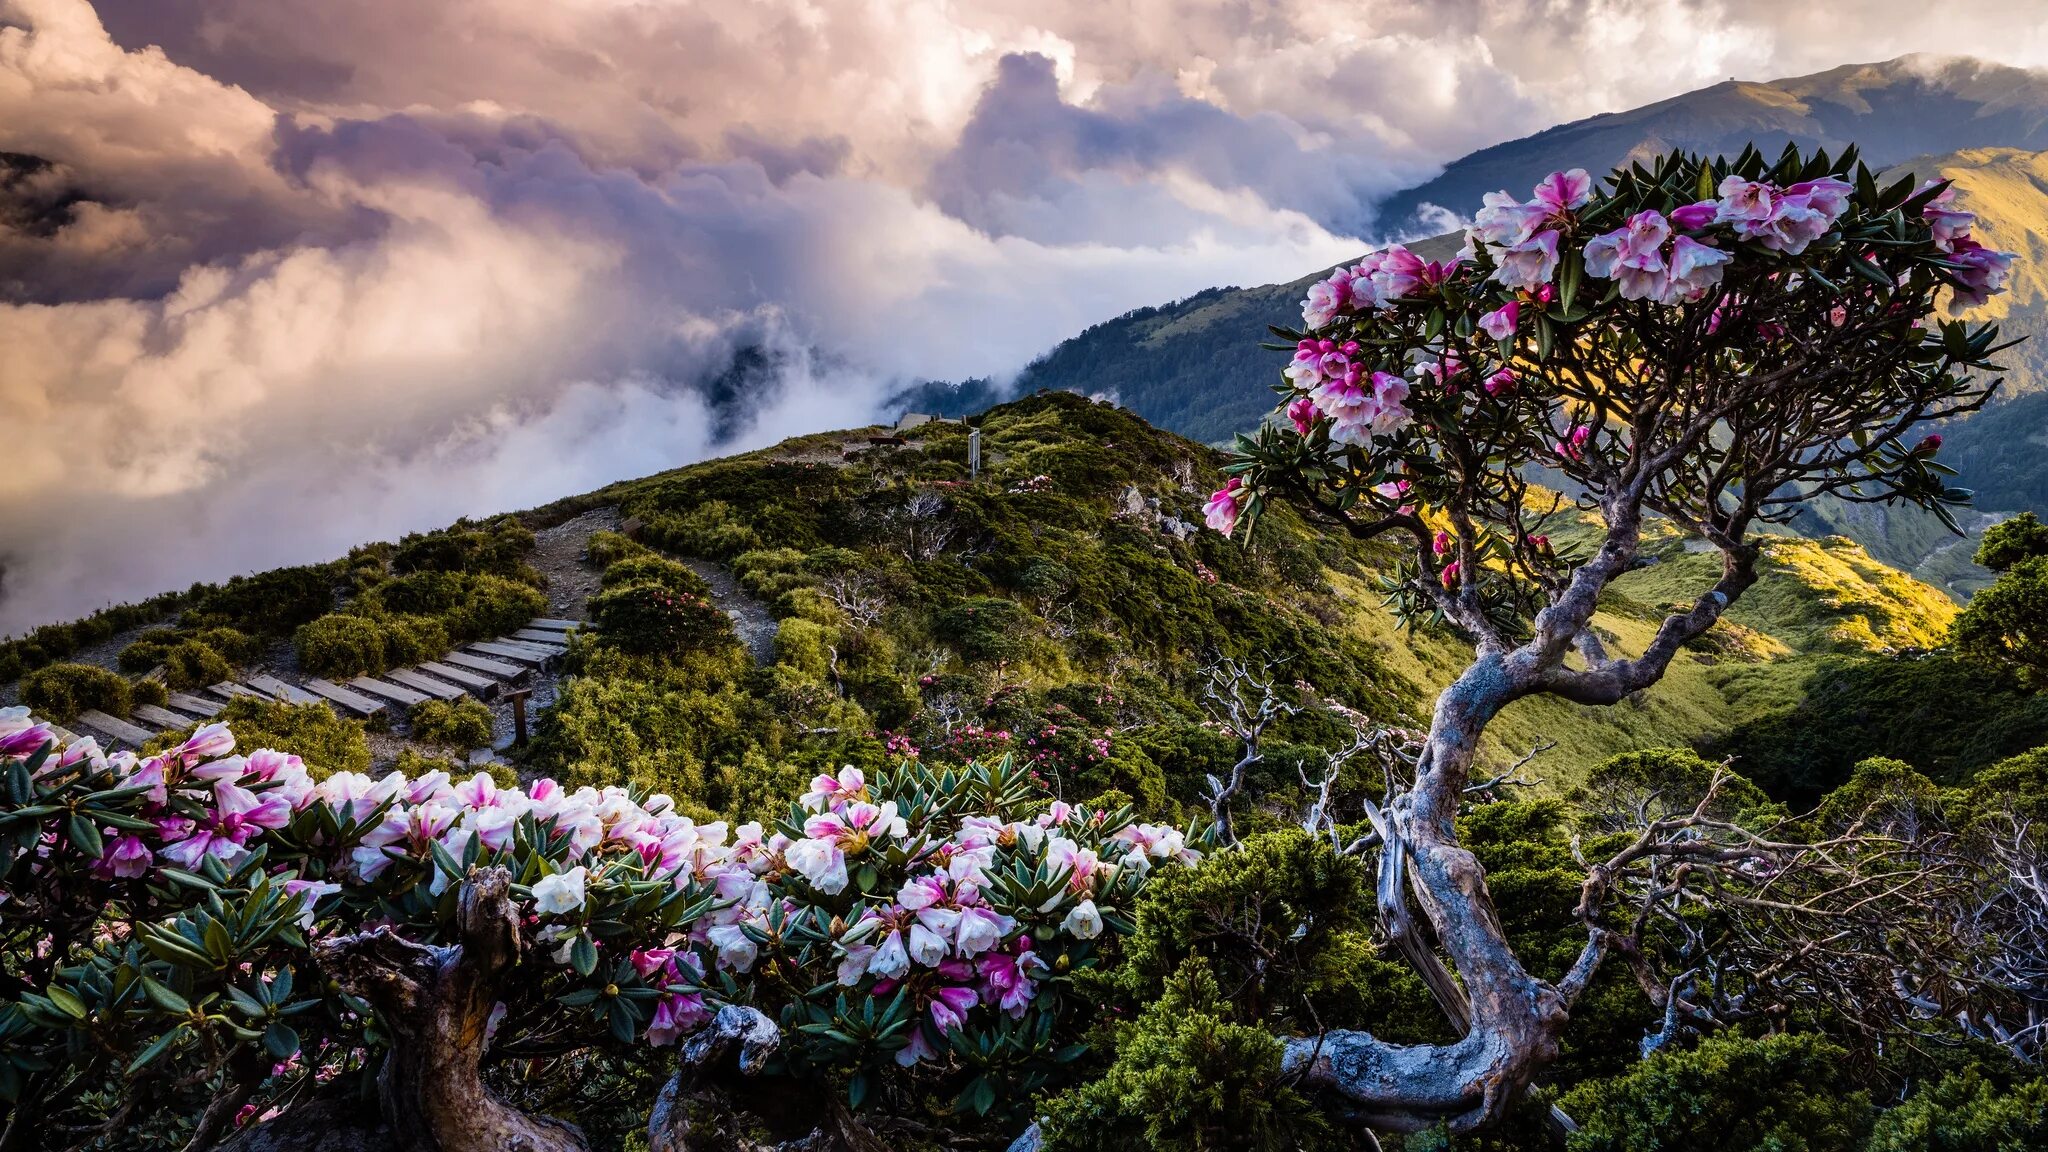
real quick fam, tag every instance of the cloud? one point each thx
(278, 276)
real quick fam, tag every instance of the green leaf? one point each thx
(164, 998)
(280, 1040)
(155, 1050)
(65, 999)
(583, 956)
(857, 1090)
(85, 834)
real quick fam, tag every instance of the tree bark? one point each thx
(436, 1004)
(717, 1103)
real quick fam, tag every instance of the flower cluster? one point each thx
(1358, 402)
(946, 893)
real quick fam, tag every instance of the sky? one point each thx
(290, 275)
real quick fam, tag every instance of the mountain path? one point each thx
(750, 618)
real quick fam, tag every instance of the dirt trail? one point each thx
(750, 618)
(558, 553)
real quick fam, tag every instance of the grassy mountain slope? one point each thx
(1065, 596)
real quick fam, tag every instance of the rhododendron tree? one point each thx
(1709, 342)
(222, 933)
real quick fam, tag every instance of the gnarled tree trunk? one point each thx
(436, 1004)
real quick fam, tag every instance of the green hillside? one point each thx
(1065, 595)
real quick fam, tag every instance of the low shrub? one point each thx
(647, 568)
(1730, 1094)
(606, 548)
(650, 619)
(60, 692)
(463, 723)
(340, 645)
(326, 742)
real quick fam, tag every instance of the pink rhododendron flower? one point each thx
(1983, 273)
(1562, 192)
(128, 859)
(1326, 299)
(1450, 574)
(1747, 204)
(1499, 382)
(1302, 414)
(1573, 446)
(1500, 323)
(1222, 510)
(1530, 264)
(1949, 223)
(1693, 217)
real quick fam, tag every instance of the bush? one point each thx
(711, 530)
(326, 742)
(1186, 1078)
(270, 603)
(652, 620)
(496, 546)
(463, 723)
(60, 692)
(1783, 1093)
(340, 645)
(1965, 1113)
(605, 548)
(985, 628)
(647, 568)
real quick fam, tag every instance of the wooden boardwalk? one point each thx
(550, 624)
(497, 668)
(197, 705)
(163, 718)
(336, 694)
(277, 689)
(426, 684)
(229, 690)
(482, 687)
(533, 657)
(388, 691)
(536, 636)
(115, 729)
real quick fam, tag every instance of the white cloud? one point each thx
(300, 274)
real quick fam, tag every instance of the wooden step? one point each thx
(532, 657)
(498, 668)
(554, 649)
(389, 691)
(480, 686)
(535, 636)
(230, 691)
(427, 684)
(277, 689)
(197, 705)
(335, 693)
(118, 730)
(549, 624)
(163, 718)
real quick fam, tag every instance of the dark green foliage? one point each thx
(60, 692)
(147, 691)
(1965, 1112)
(1186, 1078)
(268, 603)
(1901, 706)
(985, 628)
(1654, 783)
(1782, 1093)
(649, 619)
(647, 568)
(1880, 796)
(463, 723)
(2006, 625)
(497, 546)
(2009, 542)
(1281, 923)
(709, 529)
(605, 548)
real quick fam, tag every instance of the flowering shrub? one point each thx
(651, 619)
(1546, 339)
(171, 920)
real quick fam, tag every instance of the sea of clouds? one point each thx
(281, 276)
